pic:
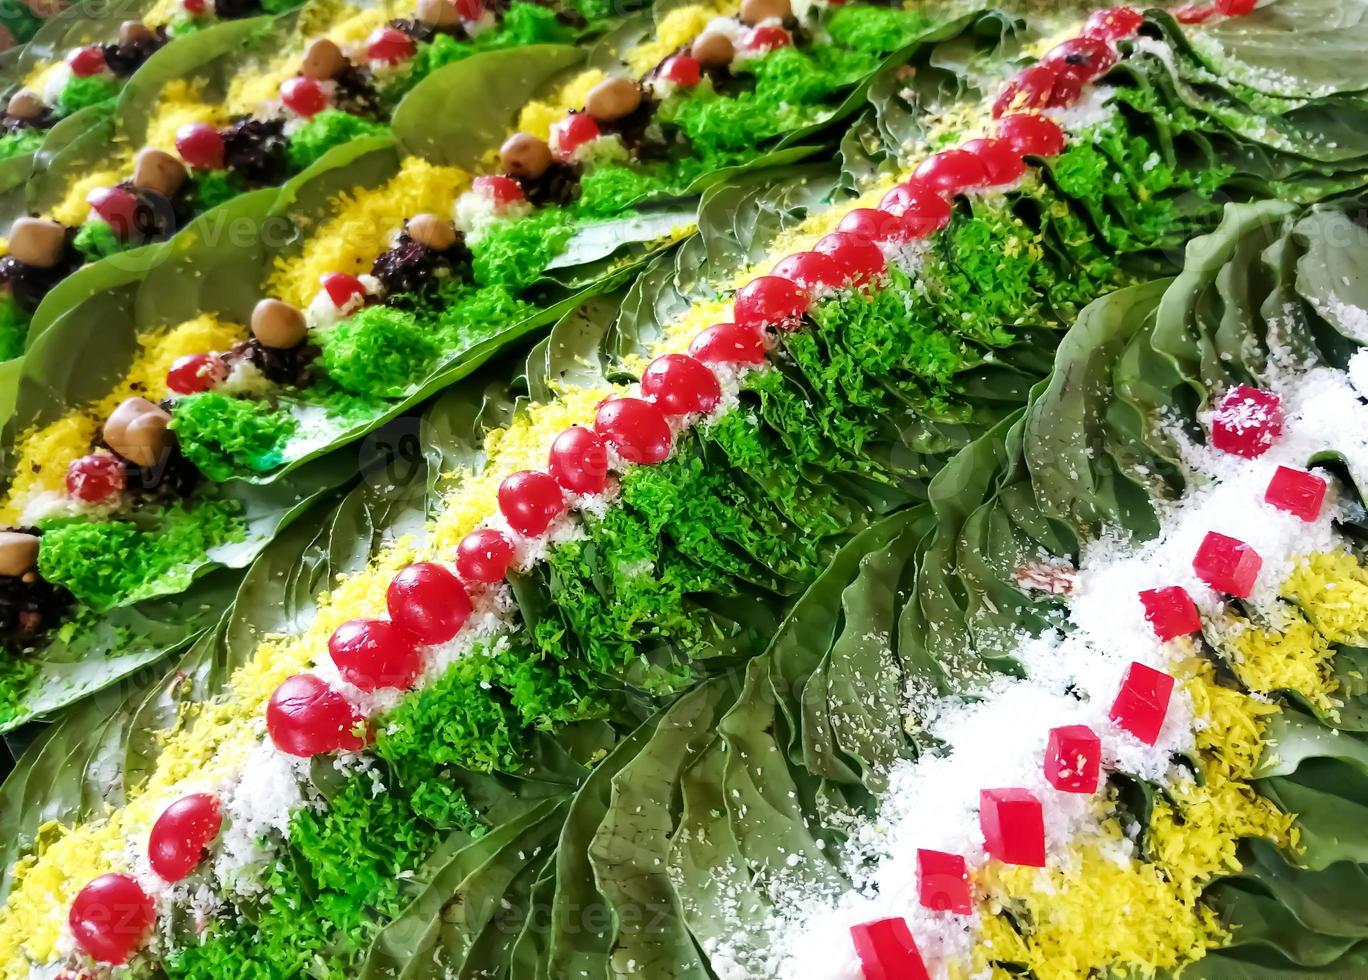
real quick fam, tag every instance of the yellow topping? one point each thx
(181, 101)
(1292, 656)
(537, 117)
(72, 208)
(675, 30)
(1332, 590)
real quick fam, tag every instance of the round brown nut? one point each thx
(278, 324)
(432, 231)
(134, 32)
(18, 552)
(523, 155)
(755, 11)
(323, 60)
(713, 49)
(157, 170)
(137, 431)
(37, 242)
(25, 104)
(437, 13)
(613, 99)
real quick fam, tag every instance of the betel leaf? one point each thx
(488, 90)
(602, 239)
(76, 144)
(1332, 275)
(78, 24)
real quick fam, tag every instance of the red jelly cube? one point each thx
(887, 951)
(1227, 565)
(943, 882)
(1013, 826)
(1296, 492)
(1171, 612)
(1247, 421)
(1142, 702)
(1073, 759)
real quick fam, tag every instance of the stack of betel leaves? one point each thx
(765, 490)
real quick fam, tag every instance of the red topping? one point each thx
(572, 132)
(110, 918)
(811, 271)
(342, 289)
(96, 477)
(767, 37)
(194, 373)
(530, 501)
(680, 385)
(681, 69)
(470, 9)
(1113, 24)
(1001, 159)
(484, 556)
(1039, 87)
(306, 717)
(375, 653)
(1073, 759)
(304, 96)
(1142, 702)
(1227, 565)
(1171, 612)
(1083, 57)
(200, 146)
(427, 600)
(859, 258)
(194, 7)
(874, 225)
(116, 207)
(770, 301)
(390, 46)
(943, 882)
(1032, 135)
(636, 429)
(952, 171)
(1193, 13)
(1247, 421)
(502, 190)
(1236, 8)
(887, 951)
(729, 343)
(1013, 826)
(182, 833)
(1296, 492)
(921, 209)
(87, 61)
(578, 461)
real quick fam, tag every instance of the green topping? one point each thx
(514, 253)
(18, 144)
(80, 93)
(379, 351)
(14, 324)
(222, 435)
(96, 240)
(213, 187)
(328, 129)
(877, 30)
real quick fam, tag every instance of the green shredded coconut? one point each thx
(18, 144)
(878, 30)
(326, 130)
(221, 434)
(514, 253)
(96, 240)
(379, 351)
(81, 93)
(213, 187)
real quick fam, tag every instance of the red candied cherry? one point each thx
(730, 343)
(470, 10)
(1032, 135)
(305, 717)
(304, 96)
(389, 46)
(887, 951)
(1227, 564)
(767, 37)
(182, 833)
(195, 8)
(680, 385)
(874, 225)
(1299, 493)
(1247, 421)
(483, 556)
(200, 146)
(530, 501)
(116, 207)
(1038, 87)
(860, 260)
(1142, 703)
(427, 600)
(500, 190)
(572, 132)
(1236, 8)
(87, 61)
(770, 301)
(343, 289)
(1171, 612)
(1073, 759)
(111, 917)
(682, 70)
(1113, 23)
(95, 478)
(943, 882)
(1193, 13)
(1083, 57)
(635, 429)
(951, 172)
(578, 461)
(195, 373)
(1002, 160)
(375, 653)
(1013, 825)
(811, 270)
(921, 209)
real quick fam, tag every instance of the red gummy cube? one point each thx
(1143, 701)
(1296, 492)
(1247, 421)
(1073, 759)
(1171, 612)
(1013, 825)
(943, 882)
(1227, 565)
(887, 951)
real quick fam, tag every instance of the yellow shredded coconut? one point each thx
(1332, 590)
(181, 101)
(1292, 655)
(72, 208)
(676, 29)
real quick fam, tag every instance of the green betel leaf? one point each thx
(603, 239)
(1332, 275)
